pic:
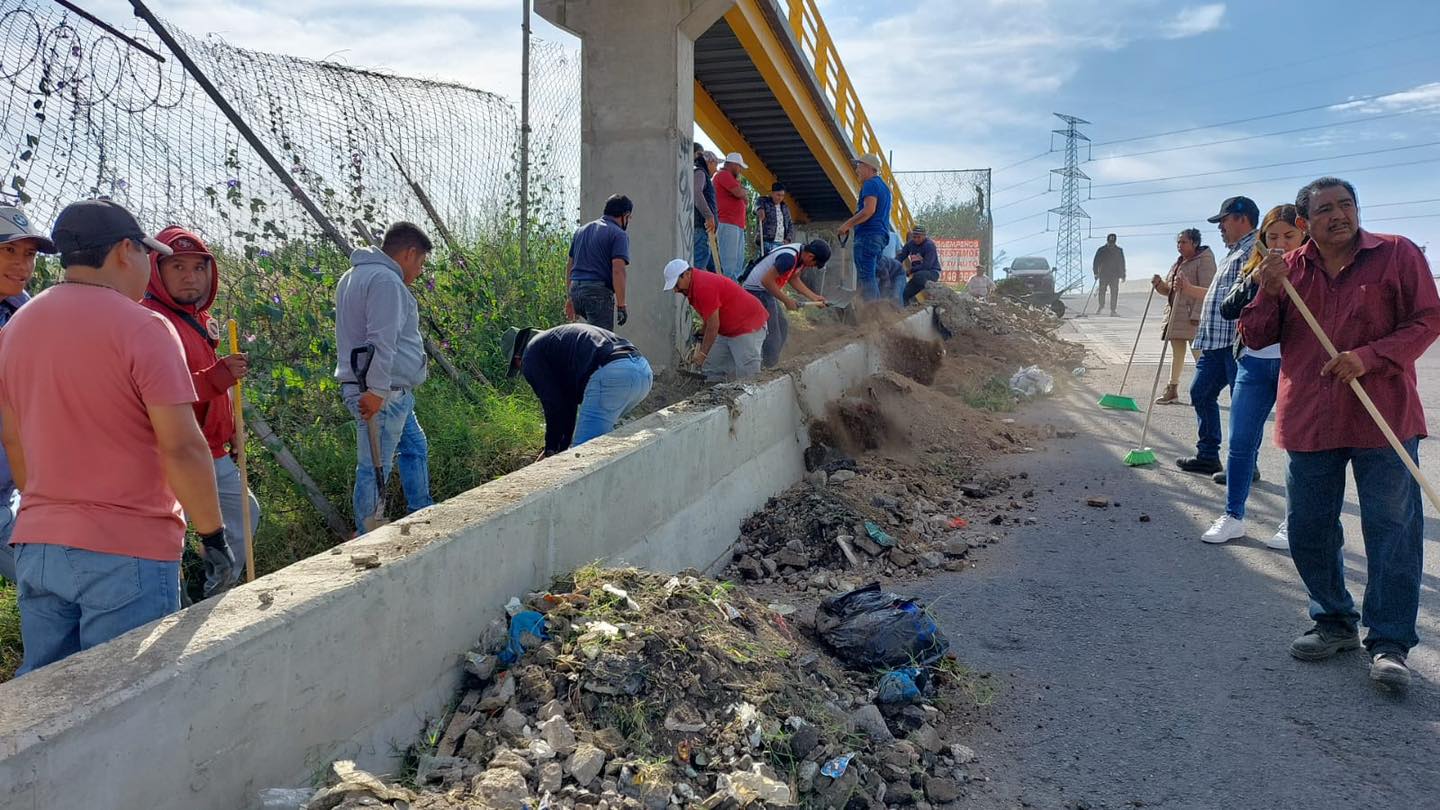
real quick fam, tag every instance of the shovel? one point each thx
(1143, 455)
(360, 358)
(715, 252)
(1117, 401)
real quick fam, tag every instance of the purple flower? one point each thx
(430, 284)
(276, 299)
(249, 338)
(232, 183)
(264, 254)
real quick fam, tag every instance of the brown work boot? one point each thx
(1170, 397)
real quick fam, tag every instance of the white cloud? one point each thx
(1195, 20)
(1422, 98)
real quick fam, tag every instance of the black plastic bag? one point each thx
(871, 629)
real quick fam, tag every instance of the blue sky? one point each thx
(970, 84)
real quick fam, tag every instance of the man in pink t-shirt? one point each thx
(731, 199)
(96, 416)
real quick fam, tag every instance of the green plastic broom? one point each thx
(1143, 455)
(1118, 401)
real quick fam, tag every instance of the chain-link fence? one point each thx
(954, 208)
(89, 114)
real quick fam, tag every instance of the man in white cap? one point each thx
(19, 244)
(731, 199)
(734, 340)
(871, 225)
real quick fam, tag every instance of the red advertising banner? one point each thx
(959, 260)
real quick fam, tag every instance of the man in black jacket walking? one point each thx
(1109, 267)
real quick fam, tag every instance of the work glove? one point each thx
(622, 315)
(220, 565)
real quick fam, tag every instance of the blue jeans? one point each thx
(9, 509)
(72, 599)
(1392, 524)
(766, 246)
(867, 250)
(916, 285)
(401, 440)
(892, 285)
(612, 391)
(702, 249)
(731, 240)
(1214, 372)
(1256, 380)
(777, 328)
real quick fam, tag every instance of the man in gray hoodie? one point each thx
(375, 309)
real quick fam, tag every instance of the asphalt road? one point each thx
(1139, 667)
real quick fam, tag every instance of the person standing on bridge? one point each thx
(871, 225)
(704, 196)
(1109, 268)
(1214, 341)
(1184, 290)
(772, 215)
(1374, 297)
(20, 243)
(595, 271)
(182, 288)
(732, 201)
(923, 261)
(733, 343)
(97, 418)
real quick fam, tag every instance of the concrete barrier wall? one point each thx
(266, 685)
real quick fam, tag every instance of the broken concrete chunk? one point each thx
(752, 787)
(498, 695)
(963, 754)
(841, 476)
(940, 790)
(585, 764)
(506, 758)
(557, 732)
(502, 789)
(927, 738)
(684, 718)
(552, 778)
(513, 721)
(869, 721)
(366, 560)
(552, 709)
(1097, 502)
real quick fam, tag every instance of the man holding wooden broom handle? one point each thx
(1352, 310)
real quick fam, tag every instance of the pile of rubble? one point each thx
(628, 689)
(957, 312)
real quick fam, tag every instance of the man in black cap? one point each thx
(1109, 267)
(923, 263)
(585, 377)
(1214, 342)
(20, 242)
(767, 281)
(96, 409)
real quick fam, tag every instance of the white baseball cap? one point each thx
(673, 271)
(734, 157)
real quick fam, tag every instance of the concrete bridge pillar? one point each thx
(637, 124)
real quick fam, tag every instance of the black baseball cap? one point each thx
(14, 226)
(1237, 205)
(820, 249)
(100, 223)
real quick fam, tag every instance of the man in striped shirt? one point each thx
(1214, 342)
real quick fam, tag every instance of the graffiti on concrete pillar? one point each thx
(685, 200)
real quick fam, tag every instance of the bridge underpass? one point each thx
(759, 77)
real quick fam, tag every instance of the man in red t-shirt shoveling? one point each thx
(731, 348)
(182, 288)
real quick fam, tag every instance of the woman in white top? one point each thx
(1256, 379)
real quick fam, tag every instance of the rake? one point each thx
(1143, 455)
(1118, 401)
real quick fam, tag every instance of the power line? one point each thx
(1017, 185)
(1022, 238)
(1361, 120)
(1365, 207)
(1017, 202)
(1267, 165)
(1022, 219)
(1234, 183)
(1169, 233)
(1026, 160)
(1282, 114)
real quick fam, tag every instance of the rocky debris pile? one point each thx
(641, 690)
(957, 312)
(851, 521)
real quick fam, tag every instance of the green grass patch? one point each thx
(993, 395)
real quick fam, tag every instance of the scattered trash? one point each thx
(514, 606)
(1032, 382)
(836, 767)
(1097, 502)
(898, 687)
(781, 610)
(875, 630)
(620, 594)
(527, 631)
(353, 787)
(1144, 518)
(878, 535)
(958, 523)
(1079, 371)
(285, 798)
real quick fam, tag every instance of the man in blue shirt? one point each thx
(871, 225)
(19, 244)
(595, 271)
(924, 262)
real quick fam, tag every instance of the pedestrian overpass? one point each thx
(760, 77)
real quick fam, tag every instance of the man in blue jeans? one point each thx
(585, 377)
(1214, 342)
(374, 308)
(871, 225)
(1374, 297)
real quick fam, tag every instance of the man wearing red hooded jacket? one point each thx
(182, 288)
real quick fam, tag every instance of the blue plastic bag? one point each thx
(899, 687)
(527, 631)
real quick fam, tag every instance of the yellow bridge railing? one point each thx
(815, 42)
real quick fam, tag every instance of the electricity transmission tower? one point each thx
(1069, 264)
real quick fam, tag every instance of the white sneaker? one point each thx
(1227, 528)
(1281, 539)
